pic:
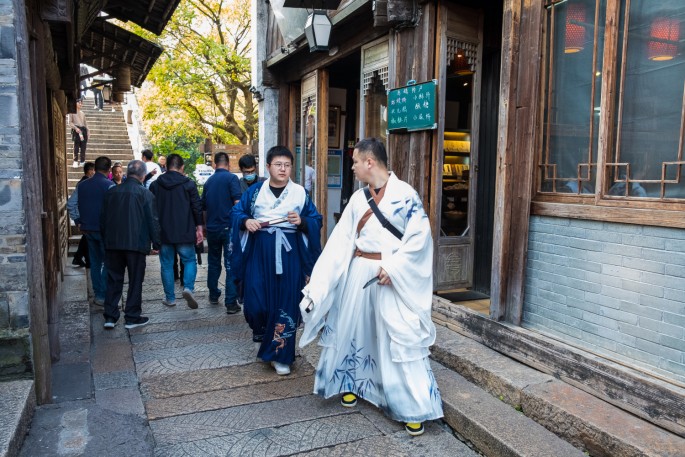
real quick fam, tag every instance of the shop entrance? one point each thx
(468, 53)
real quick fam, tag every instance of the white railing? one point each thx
(135, 128)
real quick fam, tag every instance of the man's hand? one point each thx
(383, 278)
(154, 172)
(294, 218)
(252, 225)
(198, 235)
(154, 252)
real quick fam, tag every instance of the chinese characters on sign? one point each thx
(412, 107)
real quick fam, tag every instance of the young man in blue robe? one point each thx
(276, 241)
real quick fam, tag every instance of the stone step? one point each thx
(581, 419)
(495, 428)
(17, 404)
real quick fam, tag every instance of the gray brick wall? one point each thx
(615, 289)
(14, 313)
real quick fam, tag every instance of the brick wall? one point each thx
(14, 313)
(616, 289)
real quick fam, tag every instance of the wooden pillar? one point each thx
(33, 208)
(322, 148)
(516, 154)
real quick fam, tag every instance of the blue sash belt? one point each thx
(281, 242)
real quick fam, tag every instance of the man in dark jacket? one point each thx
(180, 217)
(219, 194)
(91, 193)
(128, 225)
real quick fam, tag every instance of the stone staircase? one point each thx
(108, 137)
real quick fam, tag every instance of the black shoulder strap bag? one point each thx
(377, 212)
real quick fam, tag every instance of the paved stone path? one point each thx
(188, 384)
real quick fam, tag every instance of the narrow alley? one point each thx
(188, 384)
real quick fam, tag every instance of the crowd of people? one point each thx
(366, 295)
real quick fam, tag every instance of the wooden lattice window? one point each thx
(613, 102)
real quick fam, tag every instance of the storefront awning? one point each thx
(152, 15)
(107, 47)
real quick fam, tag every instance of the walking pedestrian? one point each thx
(371, 293)
(161, 161)
(219, 194)
(180, 217)
(276, 240)
(97, 96)
(129, 227)
(153, 170)
(117, 174)
(248, 168)
(81, 257)
(91, 195)
(79, 134)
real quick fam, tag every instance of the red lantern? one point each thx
(665, 33)
(575, 28)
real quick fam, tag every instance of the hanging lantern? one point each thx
(575, 28)
(317, 29)
(664, 35)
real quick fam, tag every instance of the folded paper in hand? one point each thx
(280, 220)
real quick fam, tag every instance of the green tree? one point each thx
(199, 87)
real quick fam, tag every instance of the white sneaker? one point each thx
(168, 303)
(74, 165)
(190, 299)
(281, 368)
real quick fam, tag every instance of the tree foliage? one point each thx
(199, 87)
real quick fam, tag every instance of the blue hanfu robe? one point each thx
(273, 264)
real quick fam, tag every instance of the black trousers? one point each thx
(80, 145)
(81, 256)
(117, 262)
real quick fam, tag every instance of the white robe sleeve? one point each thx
(406, 304)
(328, 277)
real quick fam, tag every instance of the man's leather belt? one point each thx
(368, 255)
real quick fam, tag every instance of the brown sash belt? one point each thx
(368, 255)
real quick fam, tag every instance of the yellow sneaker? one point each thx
(348, 400)
(414, 428)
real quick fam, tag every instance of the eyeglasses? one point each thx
(281, 165)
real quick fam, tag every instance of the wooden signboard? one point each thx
(412, 107)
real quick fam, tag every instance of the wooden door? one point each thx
(459, 45)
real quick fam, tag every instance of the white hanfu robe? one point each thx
(376, 340)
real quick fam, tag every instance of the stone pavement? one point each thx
(188, 384)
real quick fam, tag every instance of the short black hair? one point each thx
(375, 147)
(221, 158)
(103, 163)
(87, 167)
(279, 151)
(247, 161)
(174, 162)
(147, 154)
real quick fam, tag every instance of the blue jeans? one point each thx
(166, 259)
(98, 272)
(218, 242)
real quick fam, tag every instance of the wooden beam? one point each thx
(527, 102)
(505, 147)
(33, 209)
(655, 217)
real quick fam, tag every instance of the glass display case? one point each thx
(455, 183)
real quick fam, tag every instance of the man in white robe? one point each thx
(375, 339)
